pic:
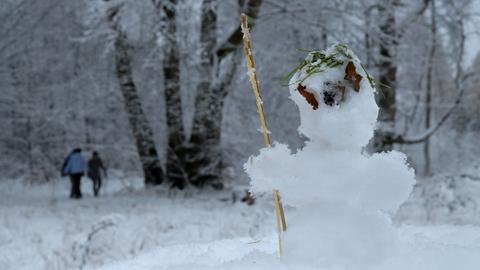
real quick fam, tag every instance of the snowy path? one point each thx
(40, 228)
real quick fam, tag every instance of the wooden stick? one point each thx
(279, 223)
(247, 47)
(277, 197)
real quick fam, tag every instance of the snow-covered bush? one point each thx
(444, 199)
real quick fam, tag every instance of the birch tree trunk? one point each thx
(383, 138)
(142, 132)
(386, 136)
(171, 71)
(204, 160)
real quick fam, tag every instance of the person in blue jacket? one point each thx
(75, 166)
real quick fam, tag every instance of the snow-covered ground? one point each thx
(41, 228)
(130, 228)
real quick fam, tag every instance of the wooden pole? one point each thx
(247, 47)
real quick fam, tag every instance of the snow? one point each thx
(41, 228)
(332, 177)
(201, 256)
(444, 199)
(436, 248)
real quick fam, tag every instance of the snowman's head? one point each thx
(335, 97)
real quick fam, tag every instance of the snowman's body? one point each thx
(340, 195)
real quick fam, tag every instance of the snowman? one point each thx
(339, 197)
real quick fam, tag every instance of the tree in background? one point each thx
(167, 11)
(141, 130)
(218, 64)
(198, 160)
(390, 32)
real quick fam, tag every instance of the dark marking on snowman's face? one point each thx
(309, 97)
(329, 98)
(333, 93)
(352, 76)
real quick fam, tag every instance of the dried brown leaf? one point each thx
(352, 76)
(309, 97)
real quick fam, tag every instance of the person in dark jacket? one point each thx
(94, 165)
(75, 166)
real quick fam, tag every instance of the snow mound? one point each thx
(215, 255)
(421, 248)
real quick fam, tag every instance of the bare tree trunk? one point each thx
(385, 97)
(204, 162)
(141, 129)
(171, 71)
(385, 136)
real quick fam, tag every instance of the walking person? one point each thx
(94, 165)
(75, 166)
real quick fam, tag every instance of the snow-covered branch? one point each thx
(459, 82)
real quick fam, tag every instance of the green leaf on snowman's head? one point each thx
(315, 62)
(343, 50)
(320, 61)
(287, 77)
